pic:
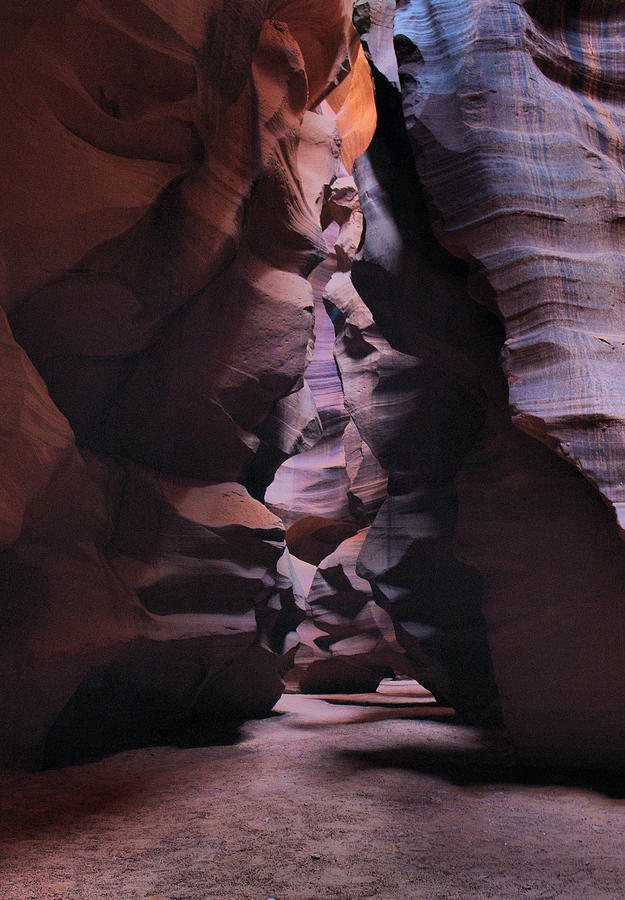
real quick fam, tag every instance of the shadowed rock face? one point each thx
(412, 361)
(338, 478)
(407, 555)
(356, 645)
(514, 116)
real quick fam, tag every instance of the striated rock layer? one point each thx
(413, 361)
(527, 104)
(514, 114)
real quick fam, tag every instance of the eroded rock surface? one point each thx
(357, 641)
(525, 101)
(160, 220)
(512, 111)
(339, 477)
(168, 174)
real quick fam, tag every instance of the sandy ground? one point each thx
(322, 800)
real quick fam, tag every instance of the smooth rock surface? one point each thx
(160, 219)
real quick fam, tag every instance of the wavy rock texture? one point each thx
(339, 477)
(327, 493)
(411, 362)
(315, 483)
(356, 644)
(168, 172)
(122, 396)
(396, 400)
(525, 100)
(375, 22)
(514, 113)
(171, 327)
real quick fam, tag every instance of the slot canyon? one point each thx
(312, 449)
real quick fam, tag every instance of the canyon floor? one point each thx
(377, 796)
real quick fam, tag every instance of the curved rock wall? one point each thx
(159, 222)
(329, 495)
(513, 112)
(355, 646)
(531, 111)
(167, 173)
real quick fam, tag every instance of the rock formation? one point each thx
(158, 227)
(173, 176)
(338, 478)
(355, 645)
(328, 495)
(513, 113)
(413, 394)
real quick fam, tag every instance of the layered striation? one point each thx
(514, 113)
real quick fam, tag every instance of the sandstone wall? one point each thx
(159, 173)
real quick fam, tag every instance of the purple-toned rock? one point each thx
(356, 641)
(513, 112)
(338, 478)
